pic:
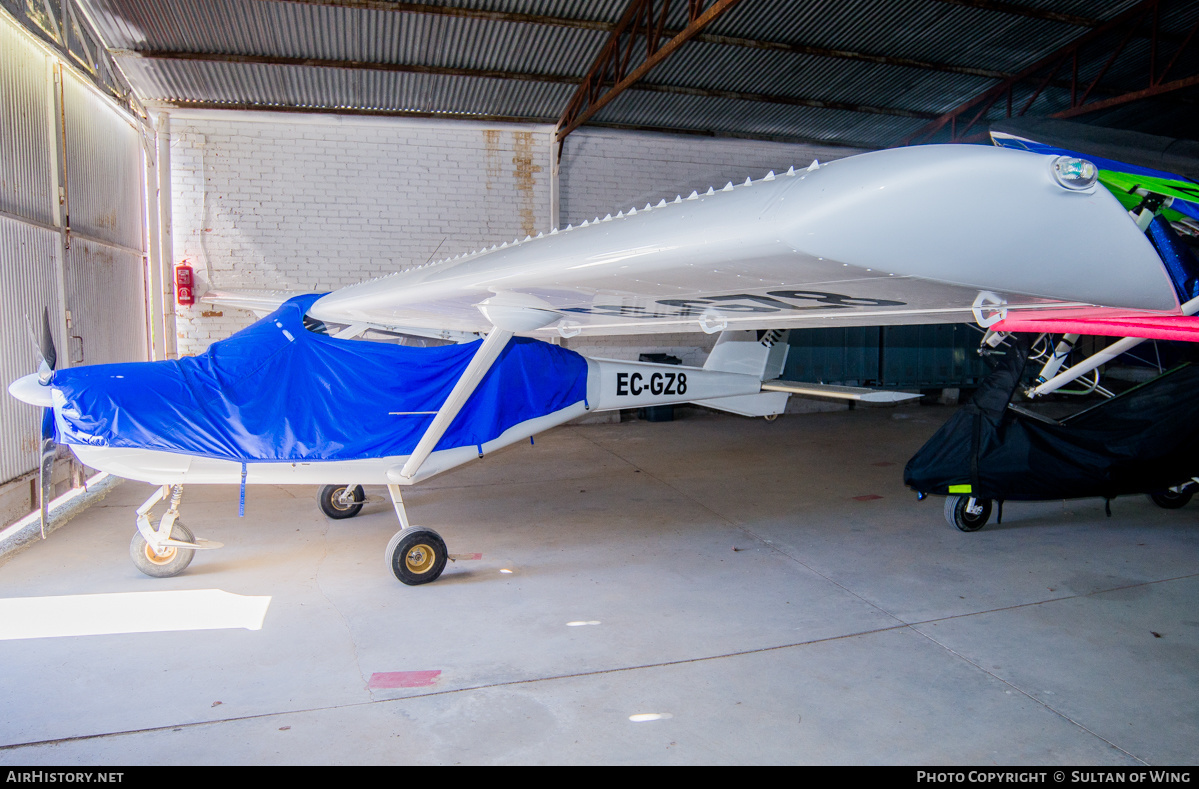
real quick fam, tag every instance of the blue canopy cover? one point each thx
(278, 392)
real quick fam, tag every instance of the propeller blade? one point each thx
(48, 431)
(47, 345)
(46, 466)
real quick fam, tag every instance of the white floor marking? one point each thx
(130, 612)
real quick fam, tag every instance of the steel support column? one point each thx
(633, 50)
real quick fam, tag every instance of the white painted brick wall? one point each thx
(271, 201)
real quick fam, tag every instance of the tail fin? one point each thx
(750, 352)
(763, 354)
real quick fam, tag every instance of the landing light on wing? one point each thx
(1075, 174)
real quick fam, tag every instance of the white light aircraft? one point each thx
(934, 234)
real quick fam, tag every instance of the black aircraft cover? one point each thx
(1142, 441)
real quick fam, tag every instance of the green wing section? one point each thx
(1123, 179)
(1123, 186)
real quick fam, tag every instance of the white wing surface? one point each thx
(909, 235)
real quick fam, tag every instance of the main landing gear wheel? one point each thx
(416, 555)
(332, 504)
(967, 513)
(1173, 498)
(172, 561)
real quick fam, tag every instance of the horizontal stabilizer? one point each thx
(760, 404)
(838, 392)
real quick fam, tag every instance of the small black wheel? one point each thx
(959, 515)
(173, 560)
(1172, 499)
(416, 555)
(329, 498)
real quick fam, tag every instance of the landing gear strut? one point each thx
(169, 549)
(415, 555)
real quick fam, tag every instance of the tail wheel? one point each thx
(172, 561)
(330, 497)
(416, 555)
(967, 513)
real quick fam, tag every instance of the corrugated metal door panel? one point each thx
(103, 282)
(931, 356)
(27, 286)
(836, 355)
(104, 174)
(900, 352)
(910, 356)
(106, 299)
(26, 134)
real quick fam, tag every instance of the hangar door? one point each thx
(71, 228)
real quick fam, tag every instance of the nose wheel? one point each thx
(169, 549)
(170, 560)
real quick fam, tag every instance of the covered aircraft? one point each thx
(933, 234)
(1139, 441)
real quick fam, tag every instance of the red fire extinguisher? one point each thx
(184, 285)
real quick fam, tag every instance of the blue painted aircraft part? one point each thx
(1180, 263)
(276, 392)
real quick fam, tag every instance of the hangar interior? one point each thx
(718, 589)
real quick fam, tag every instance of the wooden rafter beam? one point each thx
(793, 101)
(355, 111)
(962, 119)
(460, 13)
(846, 54)
(614, 71)
(1136, 95)
(350, 65)
(1042, 13)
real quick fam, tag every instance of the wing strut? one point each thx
(509, 314)
(1097, 359)
(496, 341)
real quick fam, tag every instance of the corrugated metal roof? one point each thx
(520, 59)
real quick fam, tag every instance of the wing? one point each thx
(910, 235)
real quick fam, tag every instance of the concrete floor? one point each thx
(765, 592)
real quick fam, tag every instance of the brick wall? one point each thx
(271, 201)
